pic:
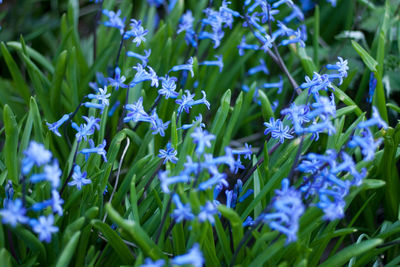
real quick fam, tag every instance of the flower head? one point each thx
(44, 227)
(14, 213)
(79, 178)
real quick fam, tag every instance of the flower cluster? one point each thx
(15, 212)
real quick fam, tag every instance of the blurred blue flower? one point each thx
(35, 154)
(149, 263)
(52, 174)
(144, 58)
(202, 138)
(288, 208)
(243, 45)
(207, 212)
(181, 212)
(44, 227)
(14, 213)
(194, 257)
(219, 63)
(262, 67)
(375, 120)
(114, 20)
(137, 32)
(188, 66)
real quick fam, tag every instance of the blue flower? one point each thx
(114, 20)
(246, 195)
(194, 257)
(341, 67)
(219, 63)
(207, 212)
(44, 227)
(216, 178)
(246, 151)
(188, 66)
(137, 32)
(375, 120)
(142, 75)
(56, 202)
(366, 143)
(262, 67)
(86, 129)
(296, 13)
(228, 159)
(198, 119)
(167, 181)
(52, 174)
(187, 101)
(298, 38)
(117, 82)
(13, 213)
(144, 58)
(168, 154)
(248, 222)
(149, 263)
(137, 112)
(181, 212)
(277, 130)
(288, 207)
(202, 139)
(157, 125)
(97, 150)
(54, 126)
(280, 2)
(35, 154)
(283, 30)
(372, 86)
(79, 178)
(215, 36)
(186, 22)
(101, 95)
(243, 45)
(278, 85)
(168, 86)
(298, 116)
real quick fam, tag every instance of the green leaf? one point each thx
(5, 258)
(11, 144)
(30, 240)
(37, 121)
(68, 251)
(373, 183)
(272, 251)
(369, 61)
(39, 58)
(354, 250)
(115, 241)
(266, 109)
(236, 222)
(20, 84)
(137, 234)
(55, 89)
